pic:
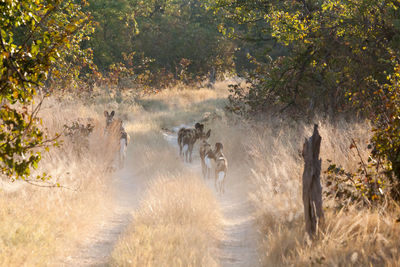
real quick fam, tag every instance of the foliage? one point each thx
(348, 187)
(386, 137)
(79, 133)
(340, 54)
(334, 49)
(383, 167)
(36, 36)
(174, 40)
(115, 28)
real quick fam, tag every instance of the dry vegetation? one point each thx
(177, 224)
(178, 221)
(41, 225)
(267, 156)
(273, 164)
(350, 236)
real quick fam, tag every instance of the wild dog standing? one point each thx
(205, 148)
(187, 137)
(116, 126)
(221, 167)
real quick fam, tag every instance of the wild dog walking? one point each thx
(187, 137)
(116, 127)
(221, 167)
(205, 148)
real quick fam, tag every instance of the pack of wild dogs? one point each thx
(187, 137)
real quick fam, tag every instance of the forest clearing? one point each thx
(199, 133)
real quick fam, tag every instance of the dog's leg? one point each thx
(190, 152)
(208, 166)
(216, 180)
(203, 168)
(185, 151)
(122, 152)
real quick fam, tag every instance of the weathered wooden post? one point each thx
(312, 190)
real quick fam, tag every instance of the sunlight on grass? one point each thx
(177, 224)
(43, 225)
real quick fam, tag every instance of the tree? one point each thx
(335, 49)
(115, 27)
(386, 131)
(163, 39)
(36, 36)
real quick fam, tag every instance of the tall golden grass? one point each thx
(42, 226)
(176, 225)
(178, 221)
(273, 165)
(351, 236)
(266, 157)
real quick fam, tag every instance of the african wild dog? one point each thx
(205, 147)
(116, 126)
(221, 167)
(187, 137)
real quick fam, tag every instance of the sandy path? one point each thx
(97, 248)
(239, 246)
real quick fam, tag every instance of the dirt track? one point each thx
(97, 249)
(238, 248)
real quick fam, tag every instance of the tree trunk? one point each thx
(212, 78)
(312, 190)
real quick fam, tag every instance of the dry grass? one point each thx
(177, 224)
(349, 237)
(267, 155)
(43, 225)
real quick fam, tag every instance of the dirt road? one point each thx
(238, 247)
(97, 248)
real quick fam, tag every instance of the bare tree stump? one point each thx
(312, 190)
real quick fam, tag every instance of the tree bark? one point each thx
(312, 190)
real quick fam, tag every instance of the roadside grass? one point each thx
(40, 226)
(350, 236)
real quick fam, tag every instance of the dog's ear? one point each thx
(208, 133)
(112, 113)
(105, 113)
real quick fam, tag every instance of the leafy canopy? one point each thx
(36, 36)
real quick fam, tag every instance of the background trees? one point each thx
(175, 39)
(335, 51)
(335, 57)
(36, 37)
